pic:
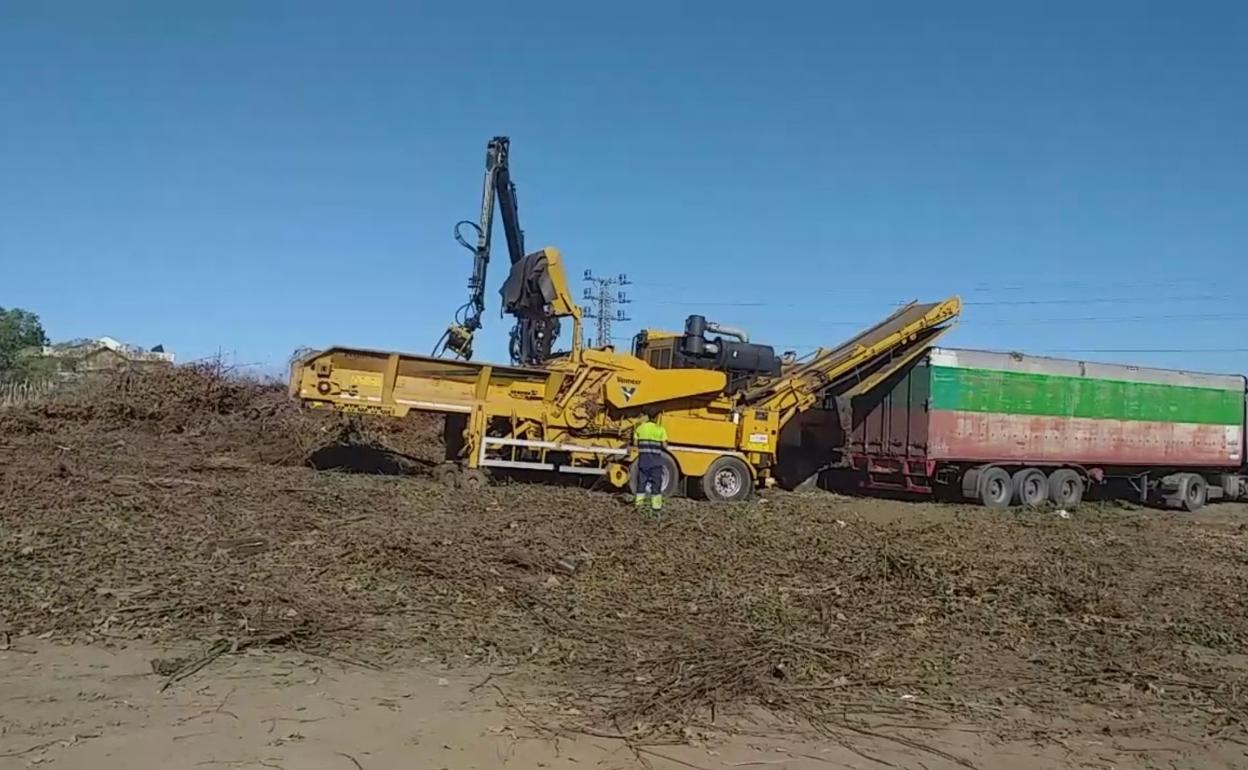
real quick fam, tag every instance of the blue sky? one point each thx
(252, 177)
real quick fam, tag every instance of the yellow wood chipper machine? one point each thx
(723, 399)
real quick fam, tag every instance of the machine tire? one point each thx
(1030, 487)
(996, 488)
(474, 478)
(1065, 488)
(728, 479)
(671, 477)
(1195, 493)
(447, 474)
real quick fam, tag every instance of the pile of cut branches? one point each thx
(174, 523)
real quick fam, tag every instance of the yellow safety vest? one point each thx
(650, 437)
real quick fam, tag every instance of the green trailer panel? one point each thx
(1009, 407)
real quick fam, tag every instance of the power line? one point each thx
(965, 303)
(1145, 350)
(1141, 319)
(1102, 319)
(1019, 284)
(1101, 300)
(1111, 319)
(1059, 350)
(1089, 351)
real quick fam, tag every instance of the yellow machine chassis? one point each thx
(576, 414)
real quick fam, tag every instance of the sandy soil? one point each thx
(97, 708)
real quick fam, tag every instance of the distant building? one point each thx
(104, 354)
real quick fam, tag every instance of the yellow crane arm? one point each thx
(801, 385)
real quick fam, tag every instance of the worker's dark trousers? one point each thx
(651, 479)
(650, 485)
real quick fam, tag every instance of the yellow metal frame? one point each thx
(576, 414)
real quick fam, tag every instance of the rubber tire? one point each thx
(722, 465)
(969, 483)
(671, 477)
(447, 474)
(1195, 493)
(1029, 491)
(473, 479)
(996, 488)
(1065, 488)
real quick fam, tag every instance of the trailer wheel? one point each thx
(671, 477)
(996, 488)
(1065, 488)
(1186, 491)
(1031, 488)
(728, 479)
(1195, 492)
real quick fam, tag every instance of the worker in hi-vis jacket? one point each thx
(651, 439)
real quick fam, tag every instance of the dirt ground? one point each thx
(178, 588)
(99, 708)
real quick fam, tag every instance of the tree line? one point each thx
(20, 334)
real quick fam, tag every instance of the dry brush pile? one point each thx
(176, 506)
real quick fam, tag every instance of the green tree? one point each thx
(19, 330)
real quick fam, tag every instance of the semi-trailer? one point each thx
(1015, 429)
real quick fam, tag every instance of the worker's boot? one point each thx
(639, 500)
(656, 504)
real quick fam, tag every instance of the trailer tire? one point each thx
(996, 488)
(671, 477)
(1184, 491)
(1065, 488)
(1030, 487)
(970, 483)
(1195, 492)
(727, 480)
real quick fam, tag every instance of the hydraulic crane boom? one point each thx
(536, 289)
(495, 187)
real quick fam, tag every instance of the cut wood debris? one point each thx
(120, 519)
